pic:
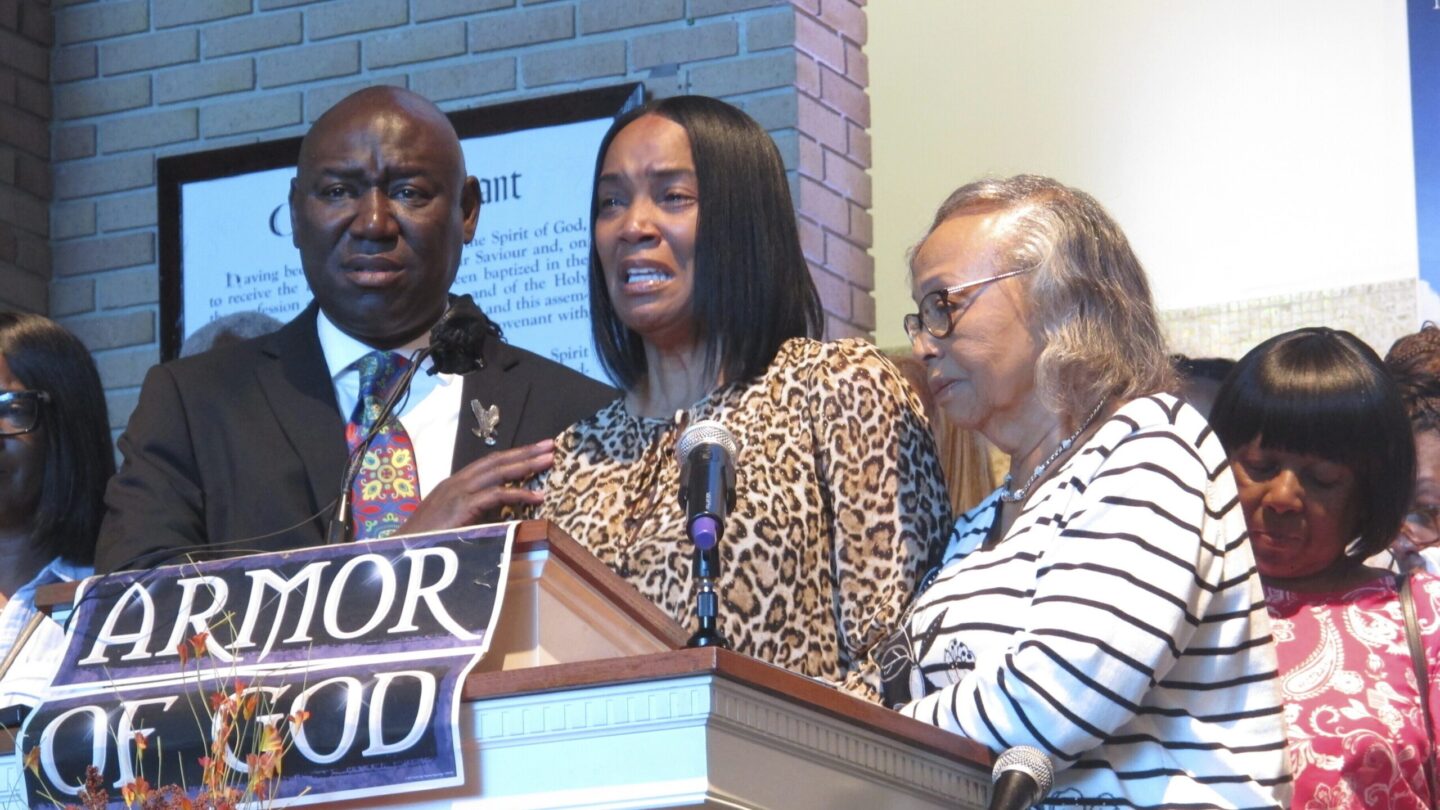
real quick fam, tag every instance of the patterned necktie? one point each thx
(387, 489)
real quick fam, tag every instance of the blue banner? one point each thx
(296, 677)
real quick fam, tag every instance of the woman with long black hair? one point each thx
(55, 458)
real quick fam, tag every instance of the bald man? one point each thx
(242, 449)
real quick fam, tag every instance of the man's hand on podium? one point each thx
(475, 493)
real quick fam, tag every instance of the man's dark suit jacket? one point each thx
(247, 440)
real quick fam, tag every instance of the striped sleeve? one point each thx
(1117, 598)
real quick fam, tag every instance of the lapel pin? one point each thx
(486, 421)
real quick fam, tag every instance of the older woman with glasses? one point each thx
(55, 457)
(1102, 606)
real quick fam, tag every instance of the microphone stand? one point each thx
(339, 528)
(705, 468)
(705, 566)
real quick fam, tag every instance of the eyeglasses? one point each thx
(1425, 518)
(939, 313)
(20, 411)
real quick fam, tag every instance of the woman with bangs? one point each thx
(1323, 456)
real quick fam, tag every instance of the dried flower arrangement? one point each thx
(230, 711)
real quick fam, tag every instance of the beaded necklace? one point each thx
(1015, 496)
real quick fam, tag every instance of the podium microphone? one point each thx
(456, 343)
(1022, 777)
(706, 452)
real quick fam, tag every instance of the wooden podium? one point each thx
(586, 699)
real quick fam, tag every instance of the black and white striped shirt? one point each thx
(1119, 626)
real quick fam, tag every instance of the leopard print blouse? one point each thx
(839, 508)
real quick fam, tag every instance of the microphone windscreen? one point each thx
(707, 431)
(456, 342)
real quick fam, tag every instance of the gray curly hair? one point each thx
(1092, 311)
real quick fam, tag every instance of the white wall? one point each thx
(1249, 148)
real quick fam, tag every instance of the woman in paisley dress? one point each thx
(1322, 452)
(703, 306)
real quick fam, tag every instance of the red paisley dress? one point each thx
(1353, 716)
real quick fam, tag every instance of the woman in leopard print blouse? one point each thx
(702, 303)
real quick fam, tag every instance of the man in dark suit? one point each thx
(242, 449)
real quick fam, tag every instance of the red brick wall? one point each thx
(834, 121)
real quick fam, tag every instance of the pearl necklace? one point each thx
(1015, 496)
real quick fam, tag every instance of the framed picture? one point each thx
(225, 243)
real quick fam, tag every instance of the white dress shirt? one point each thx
(430, 413)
